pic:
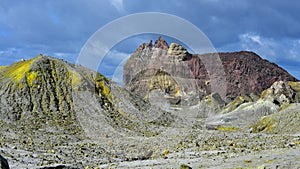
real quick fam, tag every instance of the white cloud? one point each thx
(252, 37)
(265, 47)
(118, 4)
(294, 50)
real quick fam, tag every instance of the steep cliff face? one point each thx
(188, 76)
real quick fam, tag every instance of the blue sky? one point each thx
(60, 28)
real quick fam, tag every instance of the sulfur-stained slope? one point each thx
(46, 93)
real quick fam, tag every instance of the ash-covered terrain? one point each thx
(58, 115)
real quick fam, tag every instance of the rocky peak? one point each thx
(161, 43)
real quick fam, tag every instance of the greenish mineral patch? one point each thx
(164, 82)
(30, 77)
(295, 86)
(265, 124)
(227, 129)
(3, 67)
(284, 121)
(184, 166)
(236, 102)
(76, 78)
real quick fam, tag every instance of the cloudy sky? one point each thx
(60, 28)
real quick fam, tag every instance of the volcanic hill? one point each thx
(185, 78)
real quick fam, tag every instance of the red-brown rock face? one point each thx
(161, 43)
(186, 78)
(247, 73)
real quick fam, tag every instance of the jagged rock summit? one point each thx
(184, 77)
(161, 43)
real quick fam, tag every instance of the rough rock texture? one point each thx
(245, 72)
(281, 93)
(161, 43)
(178, 50)
(286, 120)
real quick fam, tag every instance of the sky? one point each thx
(60, 28)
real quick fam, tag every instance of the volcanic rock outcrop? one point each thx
(185, 78)
(276, 111)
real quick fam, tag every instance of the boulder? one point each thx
(4, 163)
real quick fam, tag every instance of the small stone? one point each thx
(292, 144)
(166, 152)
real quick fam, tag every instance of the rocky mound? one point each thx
(286, 121)
(48, 105)
(245, 72)
(276, 111)
(287, 97)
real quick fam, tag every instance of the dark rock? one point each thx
(218, 99)
(59, 167)
(4, 163)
